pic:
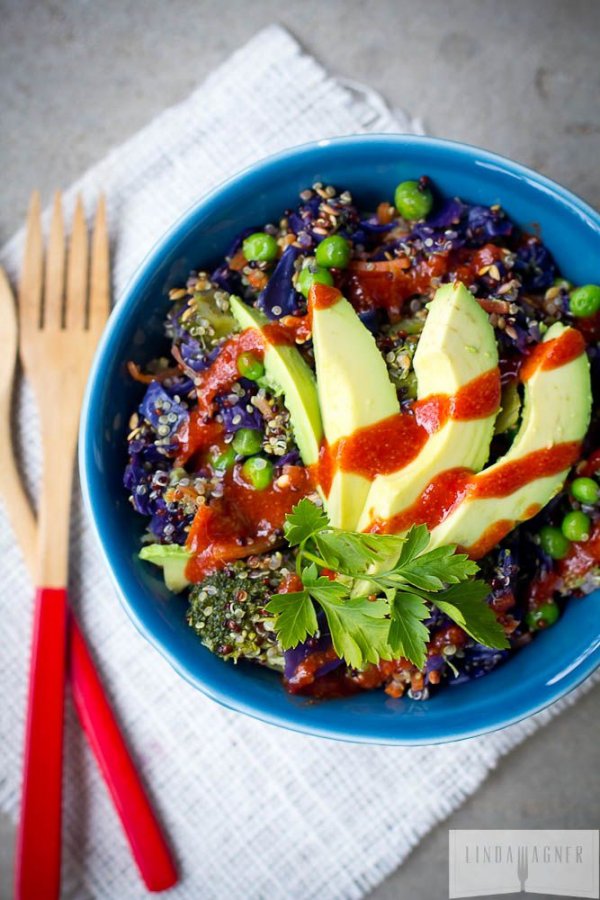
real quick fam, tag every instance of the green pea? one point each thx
(585, 301)
(585, 490)
(309, 276)
(260, 247)
(413, 200)
(543, 616)
(247, 441)
(258, 471)
(553, 542)
(250, 366)
(225, 459)
(333, 252)
(576, 526)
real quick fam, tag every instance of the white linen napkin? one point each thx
(252, 811)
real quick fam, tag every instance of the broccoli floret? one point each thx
(227, 611)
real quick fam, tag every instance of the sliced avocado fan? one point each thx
(172, 559)
(556, 410)
(287, 372)
(457, 345)
(354, 392)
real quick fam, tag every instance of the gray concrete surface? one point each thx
(521, 78)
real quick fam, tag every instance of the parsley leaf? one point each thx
(433, 570)
(295, 617)
(415, 542)
(354, 553)
(359, 629)
(375, 598)
(465, 604)
(408, 636)
(305, 520)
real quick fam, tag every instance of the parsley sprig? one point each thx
(375, 591)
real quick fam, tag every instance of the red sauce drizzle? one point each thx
(196, 436)
(241, 522)
(436, 502)
(582, 557)
(511, 476)
(392, 443)
(388, 284)
(553, 354)
(382, 448)
(297, 327)
(477, 399)
(449, 488)
(490, 538)
(494, 534)
(324, 469)
(340, 682)
(468, 265)
(322, 296)
(276, 334)
(222, 374)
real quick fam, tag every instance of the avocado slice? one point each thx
(456, 346)
(354, 391)
(172, 558)
(556, 410)
(286, 371)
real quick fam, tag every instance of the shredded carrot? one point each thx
(136, 373)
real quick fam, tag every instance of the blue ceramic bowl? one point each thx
(370, 166)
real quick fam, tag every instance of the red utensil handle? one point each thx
(145, 836)
(39, 837)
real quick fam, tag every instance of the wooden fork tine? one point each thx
(30, 290)
(55, 268)
(77, 271)
(99, 270)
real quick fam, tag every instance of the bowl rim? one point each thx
(490, 721)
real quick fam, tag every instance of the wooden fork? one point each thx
(59, 327)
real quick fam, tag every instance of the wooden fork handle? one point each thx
(148, 844)
(39, 837)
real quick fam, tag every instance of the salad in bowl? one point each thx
(370, 459)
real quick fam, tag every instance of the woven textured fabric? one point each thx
(252, 811)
